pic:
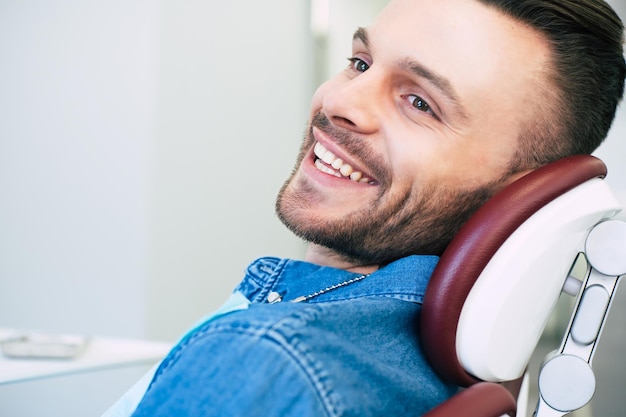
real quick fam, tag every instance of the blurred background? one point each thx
(142, 144)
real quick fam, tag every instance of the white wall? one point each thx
(142, 145)
(232, 106)
(78, 108)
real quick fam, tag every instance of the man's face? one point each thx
(416, 132)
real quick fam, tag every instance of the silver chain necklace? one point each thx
(274, 297)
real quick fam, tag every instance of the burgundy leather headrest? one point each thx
(475, 244)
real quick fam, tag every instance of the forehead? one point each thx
(483, 54)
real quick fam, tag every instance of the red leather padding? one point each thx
(475, 244)
(485, 399)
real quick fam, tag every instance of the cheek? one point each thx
(415, 156)
(435, 161)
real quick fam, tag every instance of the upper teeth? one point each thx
(335, 166)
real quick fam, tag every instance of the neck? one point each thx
(323, 256)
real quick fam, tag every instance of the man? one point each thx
(442, 104)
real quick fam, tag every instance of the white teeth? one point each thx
(328, 157)
(319, 149)
(320, 165)
(346, 170)
(335, 166)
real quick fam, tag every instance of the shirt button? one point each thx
(274, 297)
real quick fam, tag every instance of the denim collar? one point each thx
(404, 279)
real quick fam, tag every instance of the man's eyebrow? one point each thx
(360, 34)
(440, 82)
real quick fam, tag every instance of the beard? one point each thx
(388, 228)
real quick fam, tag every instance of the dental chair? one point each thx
(499, 280)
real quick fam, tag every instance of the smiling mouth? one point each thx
(327, 162)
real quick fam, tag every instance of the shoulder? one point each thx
(231, 370)
(334, 358)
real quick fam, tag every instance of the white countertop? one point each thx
(100, 353)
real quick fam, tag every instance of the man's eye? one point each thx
(420, 104)
(358, 64)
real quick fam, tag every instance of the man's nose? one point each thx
(356, 104)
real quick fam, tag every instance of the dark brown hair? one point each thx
(588, 71)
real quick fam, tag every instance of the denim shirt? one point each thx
(352, 350)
